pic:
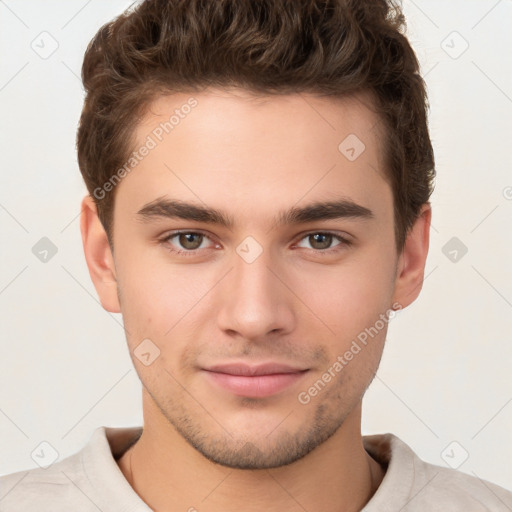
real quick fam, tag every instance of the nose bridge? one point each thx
(254, 279)
(255, 301)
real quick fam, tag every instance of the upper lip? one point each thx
(254, 369)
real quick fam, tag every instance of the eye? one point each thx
(185, 242)
(322, 241)
(188, 243)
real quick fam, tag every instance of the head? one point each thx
(288, 141)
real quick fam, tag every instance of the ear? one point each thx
(99, 256)
(411, 263)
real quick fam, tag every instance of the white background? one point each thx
(445, 374)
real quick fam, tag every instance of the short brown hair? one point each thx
(327, 47)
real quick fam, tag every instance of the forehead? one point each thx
(227, 146)
(236, 112)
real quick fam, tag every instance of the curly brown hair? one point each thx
(332, 48)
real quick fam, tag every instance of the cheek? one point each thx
(144, 298)
(350, 297)
(156, 297)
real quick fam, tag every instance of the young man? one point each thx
(259, 177)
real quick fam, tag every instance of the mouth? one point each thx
(254, 381)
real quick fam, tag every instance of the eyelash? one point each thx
(344, 242)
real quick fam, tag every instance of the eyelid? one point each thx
(339, 234)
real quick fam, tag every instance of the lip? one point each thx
(254, 381)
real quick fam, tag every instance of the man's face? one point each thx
(291, 294)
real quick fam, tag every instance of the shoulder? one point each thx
(411, 484)
(87, 481)
(461, 491)
(58, 486)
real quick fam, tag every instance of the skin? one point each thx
(251, 158)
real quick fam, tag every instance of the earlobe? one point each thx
(98, 256)
(411, 264)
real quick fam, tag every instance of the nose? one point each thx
(254, 300)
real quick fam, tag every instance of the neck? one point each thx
(168, 474)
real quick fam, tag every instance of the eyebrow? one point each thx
(164, 207)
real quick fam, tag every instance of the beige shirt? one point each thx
(91, 481)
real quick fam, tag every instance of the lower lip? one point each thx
(256, 386)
